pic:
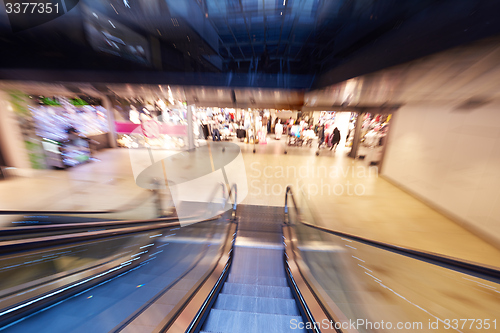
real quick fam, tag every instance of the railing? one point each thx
(194, 308)
(438, 259)
(234, 191)
(110, 253)
(133, 204)
(358, 279)
(123, 208)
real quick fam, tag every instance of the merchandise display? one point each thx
(66, 130)
(374, 130)
(52, 122)
(152, 123)
(247, 125)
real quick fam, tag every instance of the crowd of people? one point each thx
(254, 126)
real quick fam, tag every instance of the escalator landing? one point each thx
(256, 296)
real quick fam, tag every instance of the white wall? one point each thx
(342, 123)
(11, 137)
(451, 159)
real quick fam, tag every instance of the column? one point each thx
(190, 132)
(357, 134)
(11, 138)
(110, 116)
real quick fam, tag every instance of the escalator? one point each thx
(256, 293)
(244, 269)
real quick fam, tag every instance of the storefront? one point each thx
(2, 165)
(54, 128)
(248, 125)
(151, 122)
(69, 128)
(374, 129)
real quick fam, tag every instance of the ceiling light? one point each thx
(284, 2)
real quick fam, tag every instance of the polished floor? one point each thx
(344, 194)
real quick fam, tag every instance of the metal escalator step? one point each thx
(256, 270)
(258, 262)
(256, 254)
(262, 227)
(257, 304)
(254, 290)
(258, 237)
(249, 322)
(257, 280)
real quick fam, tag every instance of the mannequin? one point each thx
(278, 129)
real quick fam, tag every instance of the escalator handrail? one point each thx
(81, 225)
(101, 224)
(233, 190)
(123, 208)
(451, 262)
(158, 223)
(14, 247)
(216, 189)
(38, 243)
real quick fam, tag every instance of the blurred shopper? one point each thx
(278, 129)
(335, 139)
(216, 132)
(73, 134)
(321, 135)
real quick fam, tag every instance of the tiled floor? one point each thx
(345, 195)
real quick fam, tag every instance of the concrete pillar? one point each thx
(357, 135)
(155, 52)
(11, 137)
(342, 123)
(110, 116)
(190, 132)
(387, 141)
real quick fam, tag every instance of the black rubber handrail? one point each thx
(435, 258)
(31, 243)
(195, 324)
(14, 247)
(234, 191)
(99, 224)
(123, 208)
(80, 225)
(39, 243)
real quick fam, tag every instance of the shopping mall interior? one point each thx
(250, 166)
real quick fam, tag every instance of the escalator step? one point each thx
(260, 238)
(254, 290)
(258, 280)
(255, 262)
(249, 322)
(257, 304)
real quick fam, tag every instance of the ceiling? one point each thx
(307, 37)
(466, 76)
(193, 95)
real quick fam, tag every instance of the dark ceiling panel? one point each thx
(352, 36)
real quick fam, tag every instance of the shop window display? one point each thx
(350, 130)
(66, 130)
(373, 135)
(226, 124)
(52, 122)
(251, 126)
(153, 123)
